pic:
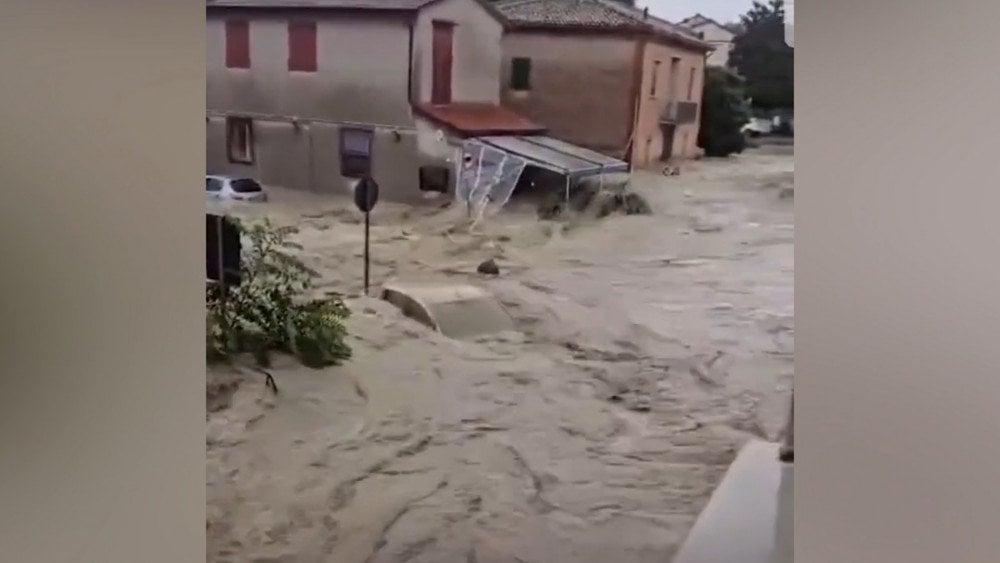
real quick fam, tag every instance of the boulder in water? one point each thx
(635, 204)
(489, 268)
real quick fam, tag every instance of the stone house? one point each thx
(718, 35)
(314, 94)
(605, 76)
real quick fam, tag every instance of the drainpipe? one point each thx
(409, 68)
(639, 72)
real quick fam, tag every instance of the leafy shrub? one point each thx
(723, 114)
(270, 311)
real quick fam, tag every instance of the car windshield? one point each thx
(212, 184)
(245, 185)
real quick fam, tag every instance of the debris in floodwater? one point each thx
(630, 203)
(489, 268)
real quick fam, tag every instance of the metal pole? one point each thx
(366, 252)
(567, 188)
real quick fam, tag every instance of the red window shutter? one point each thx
(302, 47)
(237, 44)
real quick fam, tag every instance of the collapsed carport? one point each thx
(491, 166)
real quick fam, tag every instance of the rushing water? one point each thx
(648, 348)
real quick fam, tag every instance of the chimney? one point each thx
(645, 13)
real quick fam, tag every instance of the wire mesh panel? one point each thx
(488, 175)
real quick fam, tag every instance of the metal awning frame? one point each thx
(595, 167)
(547, 144)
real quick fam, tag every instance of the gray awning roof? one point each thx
(558, 156)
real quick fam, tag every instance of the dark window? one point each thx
(520, 73)
(237, 44)
(691, 84)
(212, 185)
(245, 186)
(655, 78)
(239, 139)
(675, 64)
(355, 152)
(302, 46)
(434, 179)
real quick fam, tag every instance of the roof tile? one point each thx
(591, 14)
(479, 118)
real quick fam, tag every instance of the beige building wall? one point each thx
(361, 76)
(720, 38)
(307, 157)
(581, 86)
(688, 78)
(476, 51)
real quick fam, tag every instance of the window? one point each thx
(691, 84)
(245, 186)
(302, 46)
(675, 63)
(239, 139)
(212, 185)
(520, 73)
(237, 44)
(435, 179)
(355, 152)
(655, 79)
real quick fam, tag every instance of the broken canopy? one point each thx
(491, 166)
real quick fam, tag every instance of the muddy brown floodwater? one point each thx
(647, 350)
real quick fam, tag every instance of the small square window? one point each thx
(520, 73)
(239, 139)
(435, 179)
(355, 152)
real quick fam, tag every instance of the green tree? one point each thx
(761, 56)
(723, 113)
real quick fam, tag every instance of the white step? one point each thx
(748, 519)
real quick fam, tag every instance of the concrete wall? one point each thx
(361, 76)
(649, 136)
(581, 86)
(308, 158)
(476, 51)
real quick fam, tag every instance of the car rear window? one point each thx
(212, 185)
(245, 185)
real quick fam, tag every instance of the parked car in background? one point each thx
(758, 126)
(234, 188)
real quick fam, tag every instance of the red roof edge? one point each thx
(478, 119)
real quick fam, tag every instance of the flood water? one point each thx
(647, 349)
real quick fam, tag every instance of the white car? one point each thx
(757, 127)
(235, 188)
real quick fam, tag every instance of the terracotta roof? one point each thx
(699, 19)
(331, 4)
(473, 119)
(352, 5)
(592, 15)
(563, 13)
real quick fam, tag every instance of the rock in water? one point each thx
(608, 204)
(635, 204)
(489, 268)
(581, 198)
